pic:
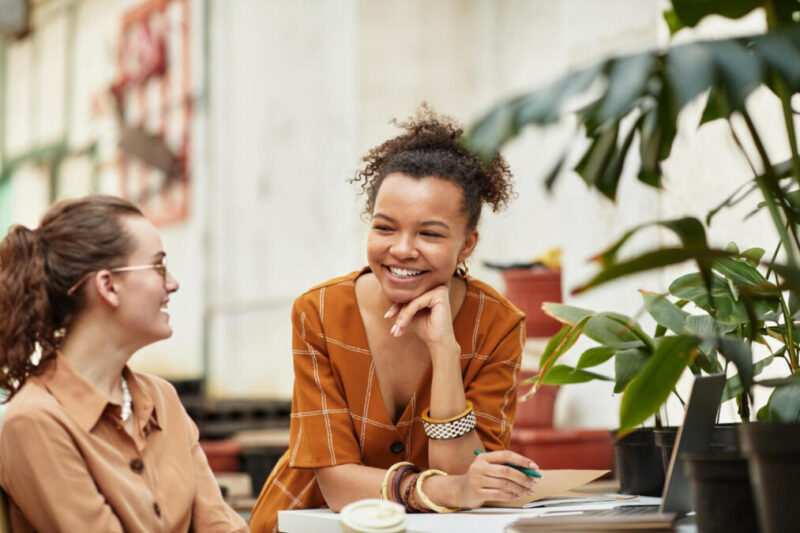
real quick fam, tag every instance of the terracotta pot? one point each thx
(555, 448)
(528, 288)
(537, 411)
(223, 455)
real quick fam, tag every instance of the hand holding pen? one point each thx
(491, 478)
(526, 471)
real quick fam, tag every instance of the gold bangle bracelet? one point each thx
(385, 483)
(426, 415)
(424, 497)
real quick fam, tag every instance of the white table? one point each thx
(484, 520)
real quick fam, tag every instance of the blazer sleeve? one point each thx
(322, 432)
(45, 461)
(493, 392)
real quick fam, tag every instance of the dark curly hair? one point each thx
(431, 146)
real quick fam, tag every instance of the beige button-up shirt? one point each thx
(67, 463)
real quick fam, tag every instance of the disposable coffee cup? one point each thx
(373, 516)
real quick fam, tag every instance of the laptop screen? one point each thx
(694, 436)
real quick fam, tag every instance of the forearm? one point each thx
(448, 400)
(343, 484)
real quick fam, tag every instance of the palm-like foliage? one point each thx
(634, 102)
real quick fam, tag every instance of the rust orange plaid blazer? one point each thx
(338, 415)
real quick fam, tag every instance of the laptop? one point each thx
(694, 436)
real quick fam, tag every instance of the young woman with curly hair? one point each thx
(85, 443)
(405, 368)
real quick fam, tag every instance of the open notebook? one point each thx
(693, 436)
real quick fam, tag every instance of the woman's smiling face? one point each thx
(418, 236)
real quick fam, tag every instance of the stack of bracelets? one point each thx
(413, 498)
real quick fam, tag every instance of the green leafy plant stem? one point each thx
(790, 346)
(767, 183)
(786, 105)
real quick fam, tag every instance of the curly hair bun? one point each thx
(431, 146)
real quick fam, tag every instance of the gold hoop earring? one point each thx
(462, 270)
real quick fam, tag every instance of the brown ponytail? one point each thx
(38, 267)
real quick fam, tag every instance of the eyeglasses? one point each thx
(161, 268)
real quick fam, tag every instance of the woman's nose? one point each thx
(172, 283)
(404, 246)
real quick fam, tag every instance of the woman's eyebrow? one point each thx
(385, 217)
(435, 223)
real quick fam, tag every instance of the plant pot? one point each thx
(639, 463)
(723, 500)
(723, 439)
(528, 288)
(773, 452)
(537, 411)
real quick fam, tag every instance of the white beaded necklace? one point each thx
(127, 401)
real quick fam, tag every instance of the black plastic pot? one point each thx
(723, 500)
(723, 439)
(639, 463)
(773, 451)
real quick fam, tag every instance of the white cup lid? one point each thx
(373, 514)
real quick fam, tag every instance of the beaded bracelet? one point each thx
(424, 497)
(408, 496)
(385, 483)
(398, 479)
(450, 428)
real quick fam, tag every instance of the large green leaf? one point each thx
(594, 162)
(780, 52)
(627, 81)
(595, 356)
(665, 312)
(745, 274)
(737, 352)
(723, 305)
(688, 229)
(564, 375)
(627, 365)
(601, 328)
(691, 12)
(784, 404)
(691, 71)
(733, 386)
(566, 342)
(651, 387)
(649, 261)
(600, 354)
(706, 326)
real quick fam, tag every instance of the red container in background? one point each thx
(528, 288)
(223, 455)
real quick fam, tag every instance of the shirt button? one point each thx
(157, 509)
(397, 447)
(137, 465)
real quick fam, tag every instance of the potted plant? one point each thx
(636, 104)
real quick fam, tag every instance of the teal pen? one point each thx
(526, 471)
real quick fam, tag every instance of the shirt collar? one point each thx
(83, 401)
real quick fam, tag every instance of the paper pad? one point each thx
(554, 483)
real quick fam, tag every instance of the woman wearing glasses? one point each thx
(85, 443)
(406, 371)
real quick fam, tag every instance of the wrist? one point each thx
(445, 352)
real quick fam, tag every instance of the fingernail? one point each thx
(393, 330)
(387, 313)
(529, 491)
